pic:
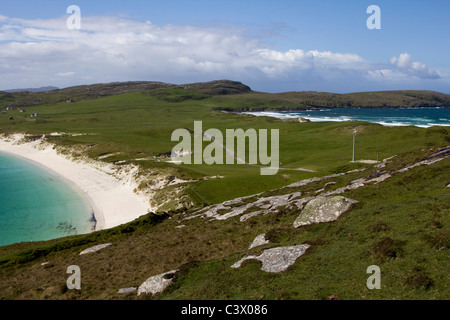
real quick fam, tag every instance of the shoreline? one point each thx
(112, 200)
(393, 120)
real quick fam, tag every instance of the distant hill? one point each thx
(85, 92)
(41, 89)
(259, 101)
(400, 98)
(219, 87)
(229, 95)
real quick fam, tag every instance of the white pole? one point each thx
(354, 140)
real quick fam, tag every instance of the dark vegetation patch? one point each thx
(388, 248)
(379, 226)
(439, 240)
(419, 280)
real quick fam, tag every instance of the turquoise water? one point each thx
(36, 204)
(420, 117)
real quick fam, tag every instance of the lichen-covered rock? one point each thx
(323, 209)
(276, 259)
(95, 248)
(156, 284)
(126, 290)
(259, 241)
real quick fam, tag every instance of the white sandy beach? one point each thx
(112, 198)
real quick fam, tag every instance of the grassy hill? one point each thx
(134, 126)
(257, 101)
(242, 97)
(94, 91)
(400, 225)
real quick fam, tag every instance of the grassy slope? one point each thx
(412, 209)
(223, 89)
(413, 206)
(306, 99)
(140, 125)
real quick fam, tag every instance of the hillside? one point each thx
(94, 91)
(258, 101)
(207, 216)
(399, 223)
(246, 98)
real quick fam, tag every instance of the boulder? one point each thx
(126, 290)
(323, 209)
(156, 284)
(276, 259)
(96, 248)
(259, 241)
(302, 120)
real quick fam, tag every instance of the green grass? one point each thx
(411, 209)
(139, 125)
(400, 224)
(342, 250)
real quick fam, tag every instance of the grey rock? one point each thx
(126, 290)
(247, 216)
(229, 209)
(323, 209)
(156, 284)
(302, 120)
(276, 259)
(95, 248)
(259, 241)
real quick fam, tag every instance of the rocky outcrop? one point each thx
(237, 207)
(95, 248)
(303, 120)
(156, 284)
(259, 241)
(276, 259)
(126, 290)
(323, 209)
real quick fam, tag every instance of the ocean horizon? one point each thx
(37, 204)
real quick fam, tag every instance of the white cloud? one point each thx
(66, 74)
(115, 49)
(405, 64)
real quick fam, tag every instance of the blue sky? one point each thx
(274, 46)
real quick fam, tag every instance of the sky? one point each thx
(271, 46)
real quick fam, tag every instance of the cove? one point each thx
(37, 204)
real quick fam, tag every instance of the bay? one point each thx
(37, 204)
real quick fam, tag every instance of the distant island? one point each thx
(41, 89)
(245, 99)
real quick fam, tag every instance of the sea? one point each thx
(419, 117)
(37, 204)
